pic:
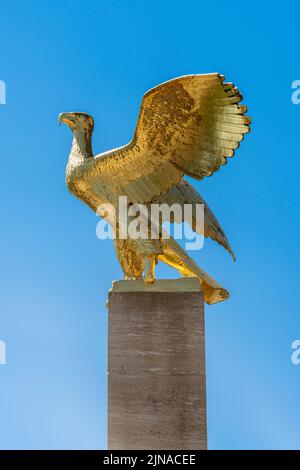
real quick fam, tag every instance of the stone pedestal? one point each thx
(156, 366)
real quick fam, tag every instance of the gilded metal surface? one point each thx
(187, 126)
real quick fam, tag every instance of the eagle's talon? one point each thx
(149, 281)
(149, 268)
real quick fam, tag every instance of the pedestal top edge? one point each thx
(185, 284)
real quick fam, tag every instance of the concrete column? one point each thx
(156, 366)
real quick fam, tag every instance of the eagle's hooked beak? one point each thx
(67, 118)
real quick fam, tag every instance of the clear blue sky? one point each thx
(100, 57)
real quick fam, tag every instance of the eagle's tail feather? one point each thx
(175, 256)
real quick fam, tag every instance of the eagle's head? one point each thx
(77, 121)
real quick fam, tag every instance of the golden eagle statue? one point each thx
(189, 126)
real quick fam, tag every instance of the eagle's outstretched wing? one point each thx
(189, 125)
(184, 193)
